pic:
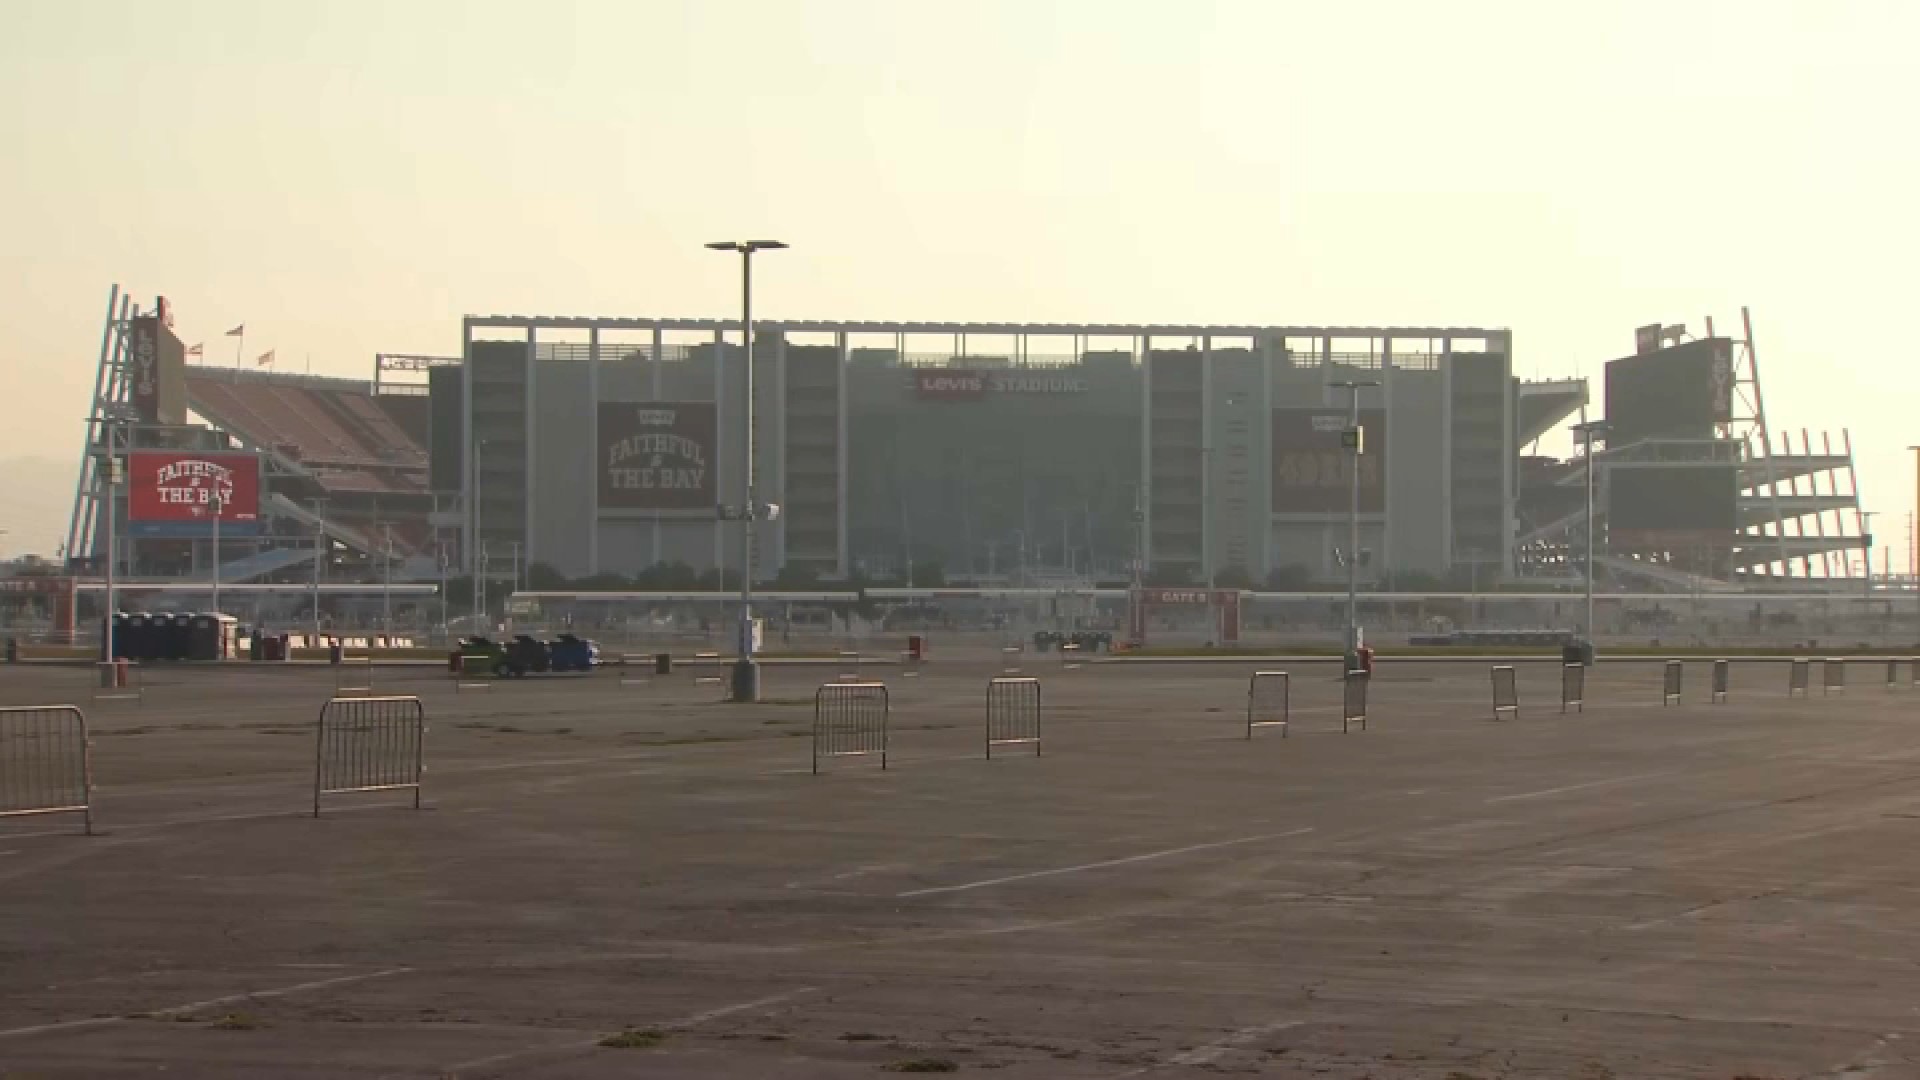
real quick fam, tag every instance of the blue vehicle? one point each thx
(571, 653)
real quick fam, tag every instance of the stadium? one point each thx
(556, 458)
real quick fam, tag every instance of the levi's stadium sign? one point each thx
(962, 384)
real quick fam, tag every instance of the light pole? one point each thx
(218, 505)
(1355, 445)
(1866, 553)
(477, 558)
(386, 586)
(319, 560)
(113, 494)
(1914, 539)
(1588, 430)
(746, 672)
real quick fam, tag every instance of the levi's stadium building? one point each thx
(1010, 454)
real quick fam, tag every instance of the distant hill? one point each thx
(39, 498)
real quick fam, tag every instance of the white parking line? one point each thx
(1100, 865)
(1213, 1051)
(1579, 787)
(192, 1006)
(452, 1072)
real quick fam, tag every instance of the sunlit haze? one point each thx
(347, 178)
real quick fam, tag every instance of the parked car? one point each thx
(526, 653)
(569, 652)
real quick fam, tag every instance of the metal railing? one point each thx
(1722, 681)
(849, 666)
(1573, 687)
(1013, 713)
(46, 762)
(850, 720)
(1506, 692)
(353, 676)
(1833, 676)
(1269, 701)
(1670, 681)
(1353, 699)
(117, 680)
(1799, 676)
(366, 744)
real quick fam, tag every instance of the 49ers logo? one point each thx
(194, 485)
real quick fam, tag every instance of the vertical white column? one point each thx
(656, 380)
(528, 459)
(1509, 454)
(1447, 553)
(1263, 495)
(720, 436)
(593, 450)
(1144, 527)
(1209, 453)
(775, 543)
(1388, 519)
(840, 443)
(469, 442)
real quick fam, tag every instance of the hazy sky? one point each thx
(350, 177)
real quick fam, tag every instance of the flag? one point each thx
(238, 331)
(265, 359)
(195, 350)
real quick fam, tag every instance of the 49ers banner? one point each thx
(174, 493)
(656, 455)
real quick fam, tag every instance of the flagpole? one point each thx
(239, 351)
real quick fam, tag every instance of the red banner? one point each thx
(181, 485)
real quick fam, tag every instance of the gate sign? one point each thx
(656, 455)
(177, 490)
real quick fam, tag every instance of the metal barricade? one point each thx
(1913, 671)
(117, 680)
(849, 666)
(1722, 681)
(1354, 699)
(46, 762)
(632, 662)
(1506, 692)
(1798, 676)
(353, 677)
(1069, 656)
(1269, 701)
(1670, 682)
(1013, 713)
(1833, 676)
(1573, 687)
(365, 744)
(1010, 659)
(850, 720)
(1893, 673)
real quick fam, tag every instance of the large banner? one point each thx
(174, 493)
(1672, 507)
(1679, 392)
(158, 362)
(657, 455)
(1311, 470)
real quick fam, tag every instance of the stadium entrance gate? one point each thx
(1223, 605)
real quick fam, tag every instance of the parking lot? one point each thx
(1639, 890)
